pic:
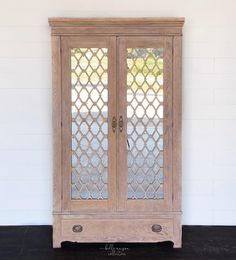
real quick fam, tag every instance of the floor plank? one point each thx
(199, 242)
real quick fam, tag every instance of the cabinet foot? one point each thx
(56, 244)
(177, 244)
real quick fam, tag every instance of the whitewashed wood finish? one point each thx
(56, 115)
(177, 123)
(145, 205)
(117, 230)
(67, 44)
(118, 227)
(116, 26)
(120, 224)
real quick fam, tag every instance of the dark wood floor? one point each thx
(199, 242)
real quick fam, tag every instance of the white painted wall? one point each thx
(209, 104)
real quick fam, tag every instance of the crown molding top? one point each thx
(145, 21)
(116, 26)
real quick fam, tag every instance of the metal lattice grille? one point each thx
(145, 123)
(89, 96)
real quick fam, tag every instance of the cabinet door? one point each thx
(88, 106)
(145, 124)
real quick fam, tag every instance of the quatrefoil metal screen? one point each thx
(145, 123)
(89, 112)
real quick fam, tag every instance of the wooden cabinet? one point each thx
(117, 129)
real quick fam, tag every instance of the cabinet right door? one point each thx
(144, 124)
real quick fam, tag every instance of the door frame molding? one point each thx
(69, 205)
(154, 205)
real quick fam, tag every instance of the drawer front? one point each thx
(117, 230)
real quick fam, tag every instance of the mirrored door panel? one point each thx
(89, 112)
(88, 104)
(145, 142)
(145, 123)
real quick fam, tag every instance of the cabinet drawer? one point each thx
(117, 230)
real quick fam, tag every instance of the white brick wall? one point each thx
(209, 104)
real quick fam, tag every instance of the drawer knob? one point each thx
(156, 228)
(77, 228)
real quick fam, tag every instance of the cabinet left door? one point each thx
(88, 123)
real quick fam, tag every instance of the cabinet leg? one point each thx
(177, 244)
(56, 232)
(56, 243)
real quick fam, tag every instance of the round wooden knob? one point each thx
(156, 228)
(77, 228)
